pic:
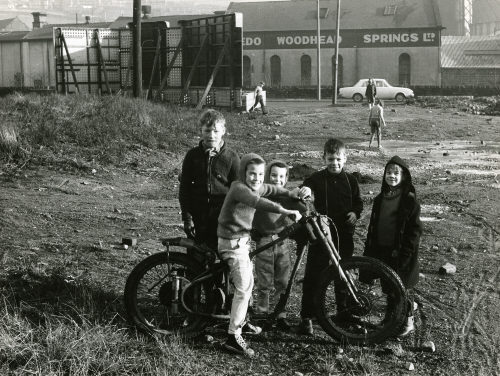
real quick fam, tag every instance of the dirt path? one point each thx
(77, 220)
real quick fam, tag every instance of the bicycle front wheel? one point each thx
(153, 295)
(376, 310)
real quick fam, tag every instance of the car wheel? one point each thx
(357, 97)
(400, 97)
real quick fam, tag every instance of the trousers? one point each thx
(235, 252)
(272, 269)
(317, 261)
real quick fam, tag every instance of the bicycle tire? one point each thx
(151, 303)
(383, 298)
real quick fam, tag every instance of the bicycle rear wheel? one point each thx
(153, 295)
(379, 312)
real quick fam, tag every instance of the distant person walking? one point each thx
(375, 121)
(259, 98)
(371, 92)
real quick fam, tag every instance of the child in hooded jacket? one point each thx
(245, 196)
(395, 229)
(272, 266)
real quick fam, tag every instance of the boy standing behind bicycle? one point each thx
(336, 194)
(207, 173)
(235, 222)
(272, 266)
(395, 229)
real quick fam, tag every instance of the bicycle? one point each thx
(172, 293)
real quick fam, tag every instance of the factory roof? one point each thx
(354, 14)
(470, 52)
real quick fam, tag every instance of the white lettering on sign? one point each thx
(429, 37)
(393, 38)
(255, 41)
(304, 40)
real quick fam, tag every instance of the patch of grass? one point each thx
(51, 323)
(92, 128)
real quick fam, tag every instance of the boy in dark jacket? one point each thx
(395, 229)
(207, 173)
(336, 194)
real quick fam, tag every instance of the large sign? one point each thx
(258, 40)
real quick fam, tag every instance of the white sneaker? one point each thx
(251, 329)
(236, 344)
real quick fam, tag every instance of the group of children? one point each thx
(224, 200)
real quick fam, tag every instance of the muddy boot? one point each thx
(305, 327)
(282, 324)
(408, 328)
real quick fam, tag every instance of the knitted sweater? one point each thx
(241, 202)
(268, 223)
(235, 219)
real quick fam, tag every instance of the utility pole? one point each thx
(137, 50)
(318, 62)
(336, 74)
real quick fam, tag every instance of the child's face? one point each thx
(277, 176)
(393, 175)
(335, 162)
(254, 176)
(212, 134)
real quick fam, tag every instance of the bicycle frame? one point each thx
(315, 233)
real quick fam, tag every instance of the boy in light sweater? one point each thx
(235, 222)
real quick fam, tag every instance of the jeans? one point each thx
(235, 253)
(272, 269)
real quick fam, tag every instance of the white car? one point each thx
(384, 91)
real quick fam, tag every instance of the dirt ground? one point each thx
(76, 219)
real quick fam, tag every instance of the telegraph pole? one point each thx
(318, 63)
(336, 74)
(137, 50)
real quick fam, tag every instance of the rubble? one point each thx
(464, 104)
(429, 346)
(448, 269)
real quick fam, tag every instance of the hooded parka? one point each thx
(403, 257)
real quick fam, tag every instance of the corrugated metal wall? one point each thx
(27, 64)
(470, 77)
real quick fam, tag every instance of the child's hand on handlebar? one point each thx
(351, 218)
(293, 213)
(301, 193)
(305, 193)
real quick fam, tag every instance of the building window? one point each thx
(340, 72)
(390, 10)
(305, 70)
(404, 70)
(275, 71)
(247, 72)
(323, 13)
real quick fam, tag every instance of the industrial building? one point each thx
(396, 40)
(416, 43)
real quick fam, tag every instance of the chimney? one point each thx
(37, 19)
(146, 11)
(87, 19)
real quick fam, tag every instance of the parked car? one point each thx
(384, 91)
